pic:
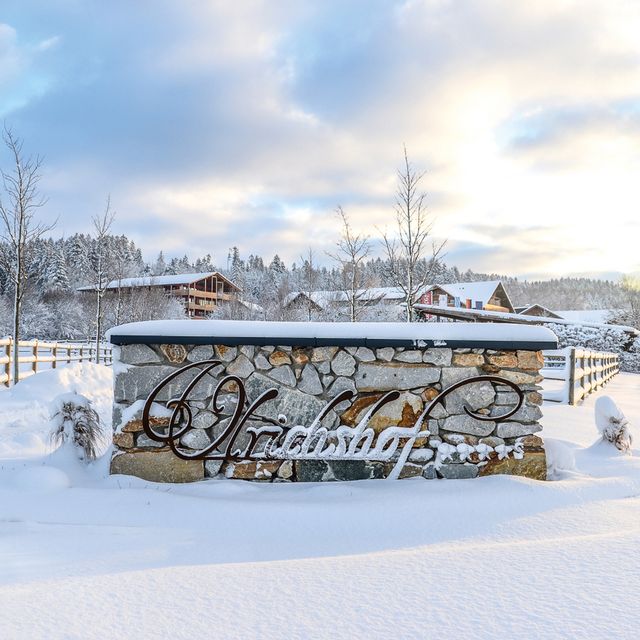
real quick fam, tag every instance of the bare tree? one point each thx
(103, 266)
(20, 229)
(406, 251)
(352, 250)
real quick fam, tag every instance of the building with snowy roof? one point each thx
(201, 293)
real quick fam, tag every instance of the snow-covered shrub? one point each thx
(612, 424)
(610, 339)
(74, 421)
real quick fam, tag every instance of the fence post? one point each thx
(81, 352)
(54, 355)
(572, 375)
(68, 355)
(7, 366)
(34, 352)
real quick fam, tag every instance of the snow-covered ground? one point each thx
(84, 555)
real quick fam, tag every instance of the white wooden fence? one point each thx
(36, 355)
(580, 370)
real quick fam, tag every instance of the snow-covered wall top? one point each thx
(317, 334)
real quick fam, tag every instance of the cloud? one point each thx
(215, 124)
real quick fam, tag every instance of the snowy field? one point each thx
(84, 555)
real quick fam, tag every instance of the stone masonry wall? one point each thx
(307, 378)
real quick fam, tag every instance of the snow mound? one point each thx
(41, 478)
(613, 424)
(25, 408)
(560, 458)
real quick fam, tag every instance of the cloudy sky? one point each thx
(215, 123)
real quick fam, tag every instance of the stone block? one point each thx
(157, 466)
(252, 469)
(467, 360)
(262, 363)
(411, 356)
(440, 357)
(458, 471)
(174, 353)
(225, 353)
(386, 354)
(241, 367)
(365, 354)
(212, 468)
(321, 354)
(279, 358)
(201, 352)
(506, 360)
(531, 360)
(343, 364)
(310, 381)
(516, 429)
(138, 354)
(532, 465)
(390, 376)
(466, 424)
(284, 375)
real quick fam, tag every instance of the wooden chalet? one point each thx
(537, 310)
(480, 296)
(201, 293)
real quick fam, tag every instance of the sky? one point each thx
(217, 123)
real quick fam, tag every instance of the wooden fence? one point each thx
(36, 355)
(581, 371)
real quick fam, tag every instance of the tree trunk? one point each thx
(16, 336)
(98, 327)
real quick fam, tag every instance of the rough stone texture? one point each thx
(297, 406)
(212, 468)
(467, 360)
(458, 471)
(525, 414)
(324, 470)
(201, 352)
(196, 439)
(252, 470)
(340, 385)
(248, 350)
(278, 358)
(138, 354)
(409, 356)
(475, 396)
(532, 465)
(466, 424)
(320, 354)
(365, 355)
(506, 360)
(386, 377)
(138, 382)
(174, 353)
(123, 440)
(386, 353)
(224, 353)
(530, 360)
(299, 356)
(157, 466)
(307, 378)
(515, 429)
(283, 374)
(241, 367)
(343, 364)
(262, 363)
(310, 381)
(438, 357)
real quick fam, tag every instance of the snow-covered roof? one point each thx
(159, 281)
(481, 291)
(503, 317)
(374, 334)
(587, 315)
(324, 298)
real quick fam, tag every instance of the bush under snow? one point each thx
(612, 424)
(76, 422)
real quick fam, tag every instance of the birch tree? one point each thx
(103, 266)
(352, 250)
(20, 229)
(407, 263)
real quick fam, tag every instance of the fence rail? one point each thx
(37, 355)
(582, 371)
